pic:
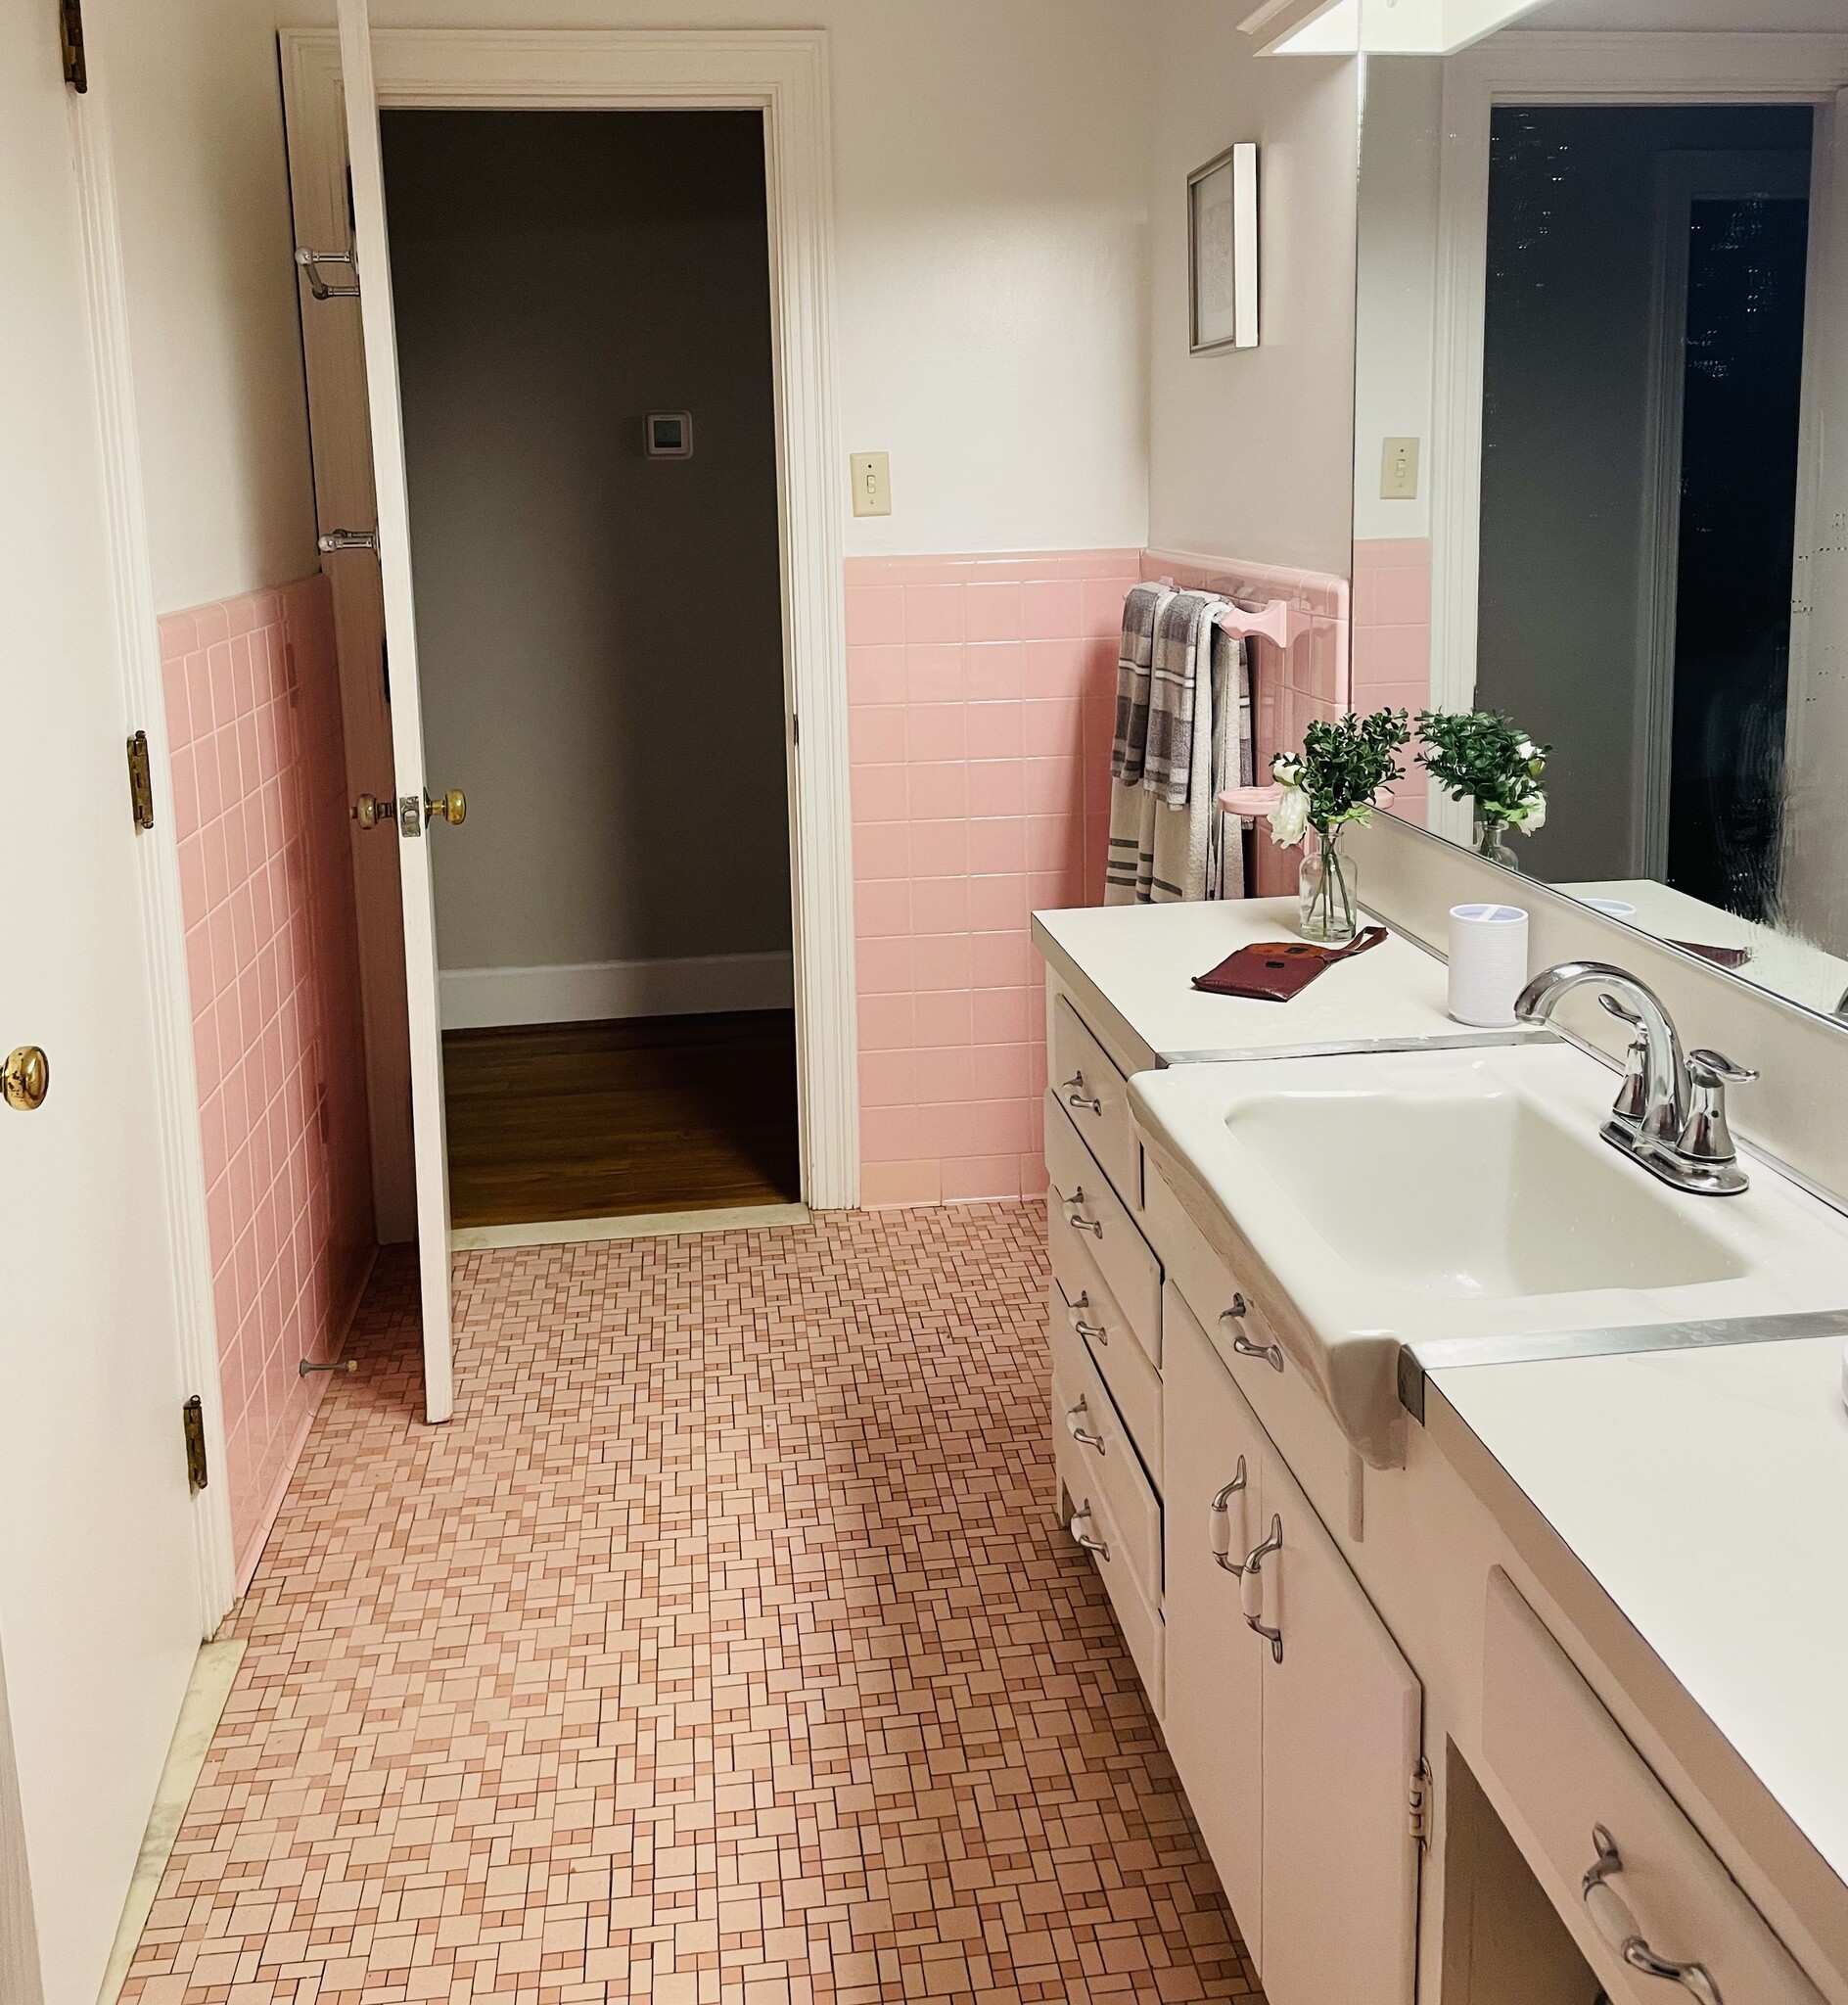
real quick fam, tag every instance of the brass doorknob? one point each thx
(369, 811)
(451, 807)
(26, 1078)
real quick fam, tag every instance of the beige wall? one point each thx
(195, 116)
(1251, 450)
(599, 633)
(991, 234)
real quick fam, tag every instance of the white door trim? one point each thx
(156, 853)
(784, 75)
(1540, 68)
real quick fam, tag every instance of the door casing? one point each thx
(784, 75)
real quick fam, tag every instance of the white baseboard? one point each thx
(588, 992)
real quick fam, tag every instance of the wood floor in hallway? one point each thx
(639, 1114)
(722, 1647)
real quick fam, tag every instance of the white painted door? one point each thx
(99, 1586)
(1342, 1727)
(1212, 1721)
(416, 825)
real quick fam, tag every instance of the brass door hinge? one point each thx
(71, 37)
(193, 1419)
(140, 782)
(1418, 1802)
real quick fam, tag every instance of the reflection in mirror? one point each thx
(1600, 342)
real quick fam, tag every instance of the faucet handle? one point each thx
(1705, 1136)
(1632, 1099)
(1714, 1068)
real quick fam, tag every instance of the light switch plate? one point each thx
(1399, 470)
(872, 483)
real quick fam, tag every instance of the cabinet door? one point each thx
(1342, 1723)
(1215, 1668)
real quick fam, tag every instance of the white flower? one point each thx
(1289, 818)
(1287, 769)
(1530, 818)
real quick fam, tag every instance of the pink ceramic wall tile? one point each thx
(1392, 618)
(1005, 668)
(257, 790)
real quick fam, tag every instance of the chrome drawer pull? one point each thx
(1611, 1916)
(1071, 1414)
(1080, 1531)
(1074, 1314)
(1076, 1097)
(1077, 1220)
(1220, 1527)
(1251, 1589)
(1243, 1344)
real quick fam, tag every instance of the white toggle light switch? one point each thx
(872, 483)
(1399, 470)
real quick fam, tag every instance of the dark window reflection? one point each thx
(1571, 605)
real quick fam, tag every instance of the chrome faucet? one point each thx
(1670, 1114)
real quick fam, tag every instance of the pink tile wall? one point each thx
(259, 805)
(982, 694)
(1310, 680)
(1392, 634)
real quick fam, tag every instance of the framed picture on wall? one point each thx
(1222, 251)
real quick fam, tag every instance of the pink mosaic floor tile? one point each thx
(722, 1650)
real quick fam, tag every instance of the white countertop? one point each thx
(1706, 1491)
(1133, 969)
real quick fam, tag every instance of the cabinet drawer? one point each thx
(1132, 1591)
(1079, 1297)
(1086, 1417)
(1289, 1405)
(1137, 1616)
(1566, 1768)
(1085, 1208)
(1095, 1095)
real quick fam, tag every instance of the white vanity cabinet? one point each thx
(1193, 1437)
(1215, 1718)
(1299, 1750)
(1104, 1312)
(1297, 1767)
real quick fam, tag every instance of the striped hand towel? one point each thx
(1134, 656)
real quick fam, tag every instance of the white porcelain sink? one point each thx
(1426, 1197)
(1473, 1191)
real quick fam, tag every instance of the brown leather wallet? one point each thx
(1275, 970)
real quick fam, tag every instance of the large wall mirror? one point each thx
(1602, 453)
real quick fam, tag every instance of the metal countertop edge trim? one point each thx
(1362, 1048)
(1447, 1353)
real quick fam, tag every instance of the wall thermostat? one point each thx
(670, 435)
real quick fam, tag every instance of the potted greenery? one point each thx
(1328, 787)
(1485, 758)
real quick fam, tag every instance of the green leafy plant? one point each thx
(1331, 783)
(1485, 757)
(1334, 780)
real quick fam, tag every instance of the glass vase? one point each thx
(1492, 842)
(1329, 891)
